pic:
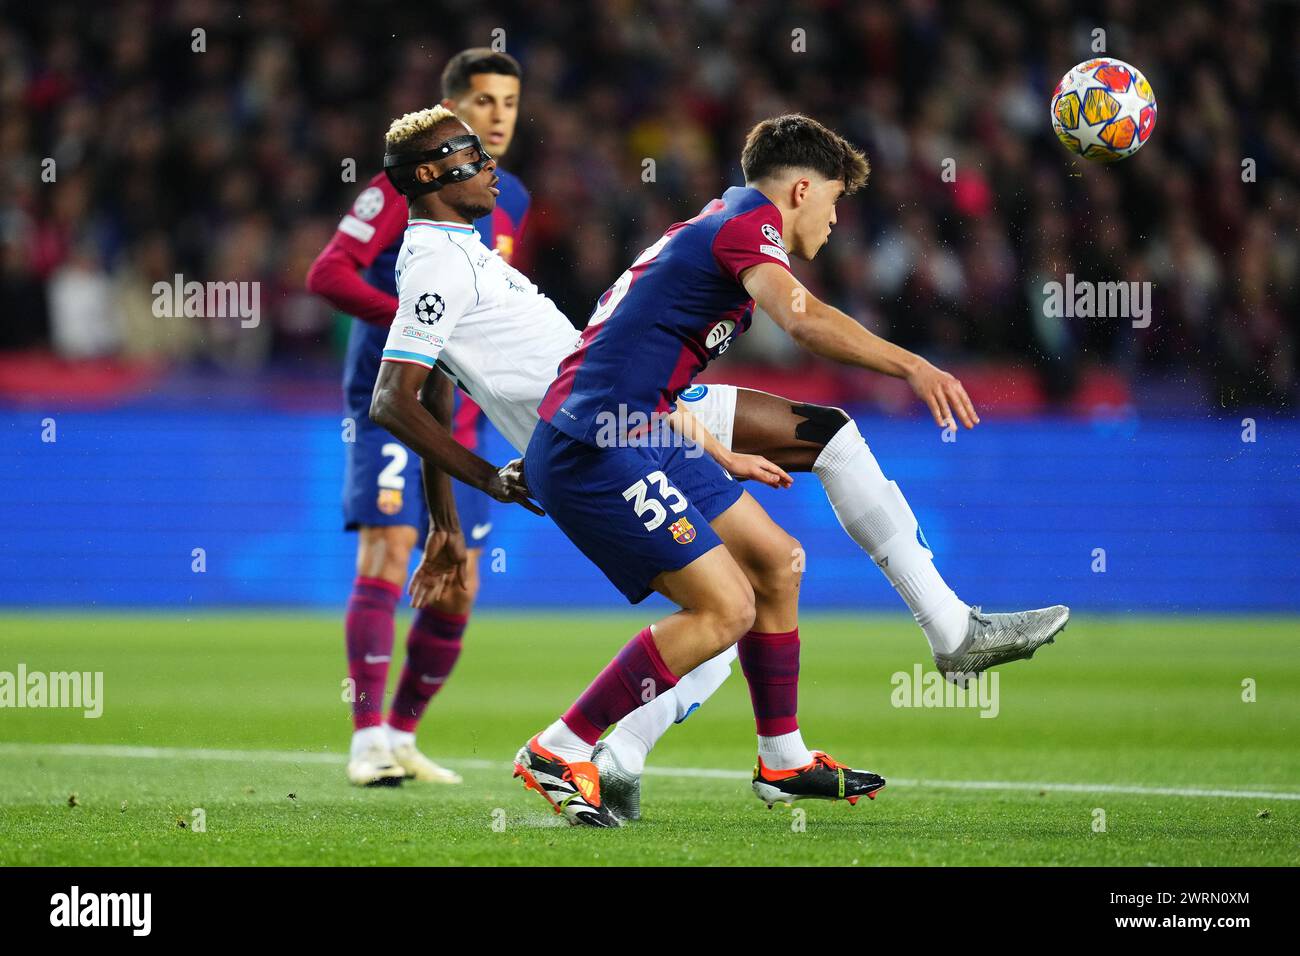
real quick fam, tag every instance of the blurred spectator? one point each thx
(228, 164)
(85, 322)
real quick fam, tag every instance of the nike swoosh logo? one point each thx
(377, 659)
(480, 530)
(426, 679)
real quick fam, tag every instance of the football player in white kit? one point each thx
(461, 308)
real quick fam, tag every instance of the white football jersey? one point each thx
(461, 306)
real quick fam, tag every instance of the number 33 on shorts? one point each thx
(643, 504)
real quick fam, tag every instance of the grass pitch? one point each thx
(1104, 751)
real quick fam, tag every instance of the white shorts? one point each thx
(715, 407)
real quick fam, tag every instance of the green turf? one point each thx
(1134, 702)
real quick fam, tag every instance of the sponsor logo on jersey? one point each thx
(411, 332)
(683, 531)
(389, 501)
(776, 252)
(350, 225)
(694, 393)
(719, 333)
(357, 222)
(429, 308)
(368, 204)
(480, 531)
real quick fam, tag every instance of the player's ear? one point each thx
(449, 103)
(799, 191)
(424, 173)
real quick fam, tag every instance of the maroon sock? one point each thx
(636, 676)
(771, 665)
(432, 646)
(369, 630)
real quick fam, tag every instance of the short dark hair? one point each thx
(466, 63)
(795, 141)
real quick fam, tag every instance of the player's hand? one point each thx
(757, 468)
(943, 394)
(444, 563)
(510, 487)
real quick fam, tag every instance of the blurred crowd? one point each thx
(223, 155)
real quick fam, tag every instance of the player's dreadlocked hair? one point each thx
(795, 141)
(414, 131)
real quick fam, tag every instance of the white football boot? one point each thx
(619, 787)
(372, 763)
(419, 767)
(993, 639)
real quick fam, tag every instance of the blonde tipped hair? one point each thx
(405, 129)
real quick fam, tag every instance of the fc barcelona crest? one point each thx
(390, 501)
(683, 531)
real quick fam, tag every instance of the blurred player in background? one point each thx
(382, 497)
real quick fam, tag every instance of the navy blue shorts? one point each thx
(382, 488)
(635, 512)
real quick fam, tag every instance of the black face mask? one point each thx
(400, 167)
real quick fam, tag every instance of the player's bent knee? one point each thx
(743, 622)
(819, 423)
(734, 617)
(777, 566)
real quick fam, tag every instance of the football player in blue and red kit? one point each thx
(655, 518)
(383, 499)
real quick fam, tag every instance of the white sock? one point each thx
(785, 752)
(874, 513)
(638, 732)
(368, 737)
(564, 743)
(399, 738)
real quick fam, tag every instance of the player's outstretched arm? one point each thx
(445, 560)
(395, 405)
(828, 332)
(737, 464)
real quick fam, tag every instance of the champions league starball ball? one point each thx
(1103, 110)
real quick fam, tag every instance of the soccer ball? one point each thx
(1103, 110)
